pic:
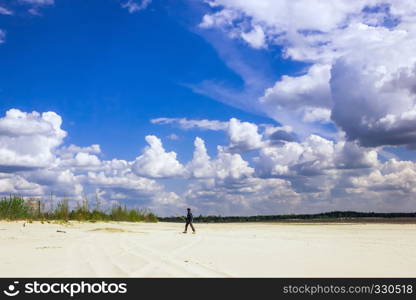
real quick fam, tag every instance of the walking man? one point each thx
(189, 220)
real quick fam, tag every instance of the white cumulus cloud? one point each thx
(27, 140)
(155, 162)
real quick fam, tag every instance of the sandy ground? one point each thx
(217, 250)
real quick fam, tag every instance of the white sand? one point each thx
(217, 250)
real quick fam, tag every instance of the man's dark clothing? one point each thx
(189, 217)
(189, 220)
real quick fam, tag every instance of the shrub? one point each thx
(14, 208)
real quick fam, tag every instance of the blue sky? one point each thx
(108, 72)
(294, 113)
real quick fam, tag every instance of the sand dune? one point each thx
(217, 250)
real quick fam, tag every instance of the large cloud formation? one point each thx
(361, 56)
(270, 171)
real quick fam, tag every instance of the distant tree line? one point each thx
(327, 216)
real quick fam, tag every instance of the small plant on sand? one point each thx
(149, 216)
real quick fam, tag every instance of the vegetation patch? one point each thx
(17, 208)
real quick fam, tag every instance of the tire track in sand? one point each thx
(166, 264)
